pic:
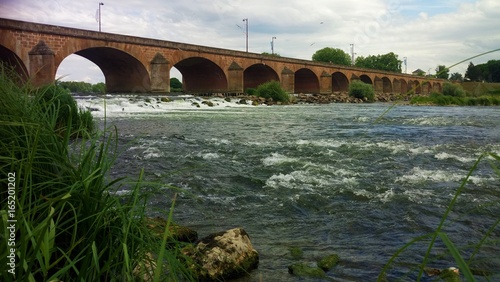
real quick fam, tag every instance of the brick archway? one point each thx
(340, 83)
(12, 60)
(122, 71)
(257, 74)
(306, 81)
(199, 74)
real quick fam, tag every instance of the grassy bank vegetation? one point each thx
(454, 94)
(69, 225)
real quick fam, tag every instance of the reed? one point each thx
(69, 225)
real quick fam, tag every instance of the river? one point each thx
(336, 178)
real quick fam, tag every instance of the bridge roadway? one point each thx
(135, 64)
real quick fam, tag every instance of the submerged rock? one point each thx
(176, 232)
(304, 270)
(451, 274)
(328, 262)
(221, 256)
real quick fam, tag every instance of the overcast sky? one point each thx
(427, 32)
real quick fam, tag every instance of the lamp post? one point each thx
(246, 32)
(405, 60)
(100, 4)
(352, 54)
(272, 44)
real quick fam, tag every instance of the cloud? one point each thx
(427, 32)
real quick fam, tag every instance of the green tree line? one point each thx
(489, 72)
(386, 62)
(82, 87)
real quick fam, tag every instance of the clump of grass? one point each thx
(361, 90)
(273, 90)
(70, 226)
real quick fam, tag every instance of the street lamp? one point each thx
(100, 4)
(352, 54)
(405, 61)
(272, 44)
(246, 31)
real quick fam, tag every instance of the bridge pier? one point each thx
(42, 65)
(325, 83)
(235, 78)
(160, 74)
(288, 80)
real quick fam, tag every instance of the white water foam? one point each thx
(126, 105)
(444, 156)
(277, 159)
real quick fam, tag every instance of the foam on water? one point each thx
(444, 156)
(277, 159)
(130, 105)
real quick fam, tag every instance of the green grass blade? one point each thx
(462, 265)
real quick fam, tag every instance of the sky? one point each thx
(427, 32)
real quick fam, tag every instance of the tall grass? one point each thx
(70, 226)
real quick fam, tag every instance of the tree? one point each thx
(272, 55)
(332, 55)
(442, 72)
(175, 84)
(386, 62)
(456, 76)
(473, 73)
(493, 71)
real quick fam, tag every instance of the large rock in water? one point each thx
(222, 255)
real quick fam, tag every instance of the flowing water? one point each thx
(322, 178)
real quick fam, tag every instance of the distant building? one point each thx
(418, 72)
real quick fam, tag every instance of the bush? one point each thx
(251, 91)
(58, 102)
(362, 91)
(273, 90)
(455, 90)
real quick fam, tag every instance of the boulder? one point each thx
(221, 256)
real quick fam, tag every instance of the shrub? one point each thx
(251, 91)
(273, 90)
(455, 90)
(362, 91)
(57, 101)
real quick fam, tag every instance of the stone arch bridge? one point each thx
(135, 64)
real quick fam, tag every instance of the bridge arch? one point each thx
(340, 83)
(306, 81)
(426, 87)
(404, 86)
(415, 87)
(366, 79)
(257, 74)
(122, 71)
(436, 87)
(386, 85)
(10, 58)
(201, 75)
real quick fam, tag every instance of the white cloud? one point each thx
(428, 32)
